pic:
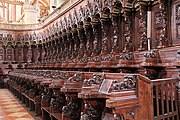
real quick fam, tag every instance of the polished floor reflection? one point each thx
(10, 109)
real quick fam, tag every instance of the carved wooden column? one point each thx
(43, 52)
(71, 47)
(39, 52)
(127, 30)
(5, 49)
(18, 53)
(34, 53)
(59, 49)
(142, 26)
(25, 53)
(160, 24)
(65, 48)
(76, 45)
(82, 47)
(106, 57)
(53, 45)
(56, 48)
(116, 32)
(89, 37)
(45, 46)
(96, 48)
(51, 38)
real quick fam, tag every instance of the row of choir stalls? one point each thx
(133, 38)
(104, 60)
(74, 95)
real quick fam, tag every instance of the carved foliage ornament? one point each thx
(151, 54)
(96, 79)
(177, 21)
(129, 83)
(127, 56)
(76, 78)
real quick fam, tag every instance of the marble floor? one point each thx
(10, 109)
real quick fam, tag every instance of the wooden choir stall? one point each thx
(98, 60)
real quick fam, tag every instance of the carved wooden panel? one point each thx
(176, 23)
(9, 54)
(1, 53)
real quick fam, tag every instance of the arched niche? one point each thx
(1, 51)
(18, 52)
(9, 52)
(26, 52)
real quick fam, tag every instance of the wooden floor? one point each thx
(10, 109)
